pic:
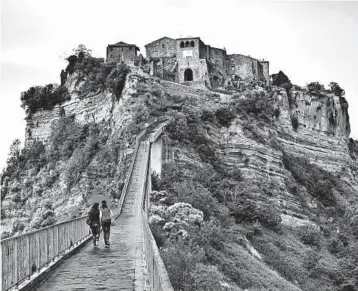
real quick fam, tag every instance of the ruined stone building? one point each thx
(194, 62)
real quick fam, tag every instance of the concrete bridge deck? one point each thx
(118, 267)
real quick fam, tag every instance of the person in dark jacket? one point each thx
(94, 217)
(106, 220)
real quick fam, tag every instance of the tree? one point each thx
(63, 77)
(82, 52)
(336, 89)
(279, 79)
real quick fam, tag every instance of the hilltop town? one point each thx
(190, 61)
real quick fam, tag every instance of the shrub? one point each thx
(116, 80)
(314, 87)
(309, 235)
(294, 122)
(317, 181)
(279, 79)
(207, 116)
(206, 278)
(224, 116)
(45, 98)
(180, 260)
(336, 89)
(258, 105)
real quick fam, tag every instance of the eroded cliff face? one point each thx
(301, 125)
(41, 197)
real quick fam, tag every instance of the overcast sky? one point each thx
(309, 41)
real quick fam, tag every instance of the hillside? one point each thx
(261, 192)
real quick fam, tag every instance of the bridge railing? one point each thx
(157, 273)
(26, 254)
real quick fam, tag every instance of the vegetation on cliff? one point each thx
(241, 206)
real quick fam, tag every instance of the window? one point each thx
(182, 44)
(187, 43)
(163, 45)
(130, 48)
(192, 43)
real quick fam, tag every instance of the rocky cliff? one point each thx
(270, 171)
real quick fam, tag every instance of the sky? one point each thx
(309, 41)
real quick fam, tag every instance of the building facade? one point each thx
(163, 47)
(195, 61)
(202, 63)
(122, 52)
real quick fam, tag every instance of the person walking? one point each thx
(94, 222)
(106, 221)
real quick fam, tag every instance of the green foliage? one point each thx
(310, 236)
(314, 87)
(31, 157)
(318, 182)
(246, 210)
(181, 260)
(116, 80)
(206, 278)
(294, 122)
(257, 104)
(279, 79)
(43, 98)
(224, 116)
(207, 116)
(336, 89)
(353, 148)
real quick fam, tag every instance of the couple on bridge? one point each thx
(100, 216)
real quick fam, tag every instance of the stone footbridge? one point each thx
(62, 257)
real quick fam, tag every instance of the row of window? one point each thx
(187, 44)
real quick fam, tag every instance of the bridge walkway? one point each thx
(118, 267)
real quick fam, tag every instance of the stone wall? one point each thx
(265, 65)
(243, 66)
(163, 47)
(126, 54)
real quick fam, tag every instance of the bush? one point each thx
(314, 87)
(258, 105)
(294, 122)
(336, 89)
(43, 98)
(116, 80)
(207, 116)
(246, 210)
(309, 235)
(206, 278)
(318, 182)
(224, 116)
(279, 79)
(180, 261)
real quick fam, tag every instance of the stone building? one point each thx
(163, 47)
(200, 63)
(189, 60)
(122, 52)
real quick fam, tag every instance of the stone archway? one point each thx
(188, 75)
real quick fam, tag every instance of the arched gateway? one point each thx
(188, 75)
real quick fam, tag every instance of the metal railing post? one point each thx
(29, 256)
(38, 250)
(16, 267)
